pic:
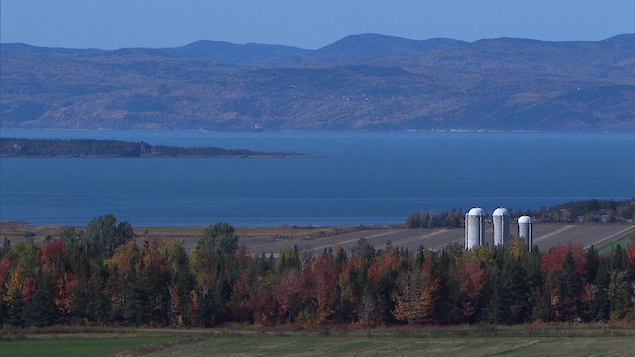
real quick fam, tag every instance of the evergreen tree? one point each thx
(514, 292)
(103, 235)
(570, 290)
(591, 264)
(15, 308)
(40, 310)
(600, 305)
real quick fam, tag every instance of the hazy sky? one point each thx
(111, 24)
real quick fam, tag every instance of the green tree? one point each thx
(571, 288)
(40, 310)
(514, 291)
(103, 235)
(619, 294)
(219, 238)
(416, 220)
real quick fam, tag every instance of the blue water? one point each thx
(363, 178)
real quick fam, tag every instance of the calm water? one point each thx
(364, 178)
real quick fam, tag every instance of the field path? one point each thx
(612, 236)
(554, 233)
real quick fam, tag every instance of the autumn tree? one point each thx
(416, 293)
(468, 279)
(324, 276)
(289, 296)
(122, 289)
(381, 276)
(40, 310)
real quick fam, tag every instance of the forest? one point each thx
(101, 276)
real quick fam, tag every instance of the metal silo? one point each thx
(500, 218)
(474, 228)
(525, 230)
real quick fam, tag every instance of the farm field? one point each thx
(315, 239)
(520, 340)
(84, 345)
(545, 237)
(332, 346)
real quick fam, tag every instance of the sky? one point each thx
(310, 24)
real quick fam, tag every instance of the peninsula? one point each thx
(13, 147)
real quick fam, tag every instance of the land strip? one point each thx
(518, 340)
(314, 239)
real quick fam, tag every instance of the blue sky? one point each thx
(111, 24)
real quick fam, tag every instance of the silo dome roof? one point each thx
(524, 219)
(476, 211)
(500, 211)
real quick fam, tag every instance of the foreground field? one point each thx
(522, 340)
(95, 345)
(332, 346)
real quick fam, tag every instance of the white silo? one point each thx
(525, 230)
(474, 228)
(500, 218)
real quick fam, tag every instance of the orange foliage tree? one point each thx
(468, 277)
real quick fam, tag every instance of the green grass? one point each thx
(622, 242)
(383, 347)
(80, 346)
(454, 341)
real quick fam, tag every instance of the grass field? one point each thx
(521, 340)
(622, 242)
(334, 346)
(92, 346)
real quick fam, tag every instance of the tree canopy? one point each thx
(101, 275)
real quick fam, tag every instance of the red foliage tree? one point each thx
(64, 292)
(290, 292)
(630, 252)
(28, 289)
(5, 265)
(553, 259)
(468, 277)
(239, 297)
(52, 252)
(324, 275)
(384, 262)
(260, 304)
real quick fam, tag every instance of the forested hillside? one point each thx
(365, 82)
(100, 276)
(12, 147)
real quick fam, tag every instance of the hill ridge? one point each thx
(361, 82)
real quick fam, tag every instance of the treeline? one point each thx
(433, 219)
(100, 276)
(114, 148)
(593, 210)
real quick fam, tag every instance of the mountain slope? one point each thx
(369, 82)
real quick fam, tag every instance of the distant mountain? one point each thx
(237, 54)
(365, 46)
(24, 48)
(362, 82)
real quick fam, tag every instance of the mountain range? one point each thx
(361, 82)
